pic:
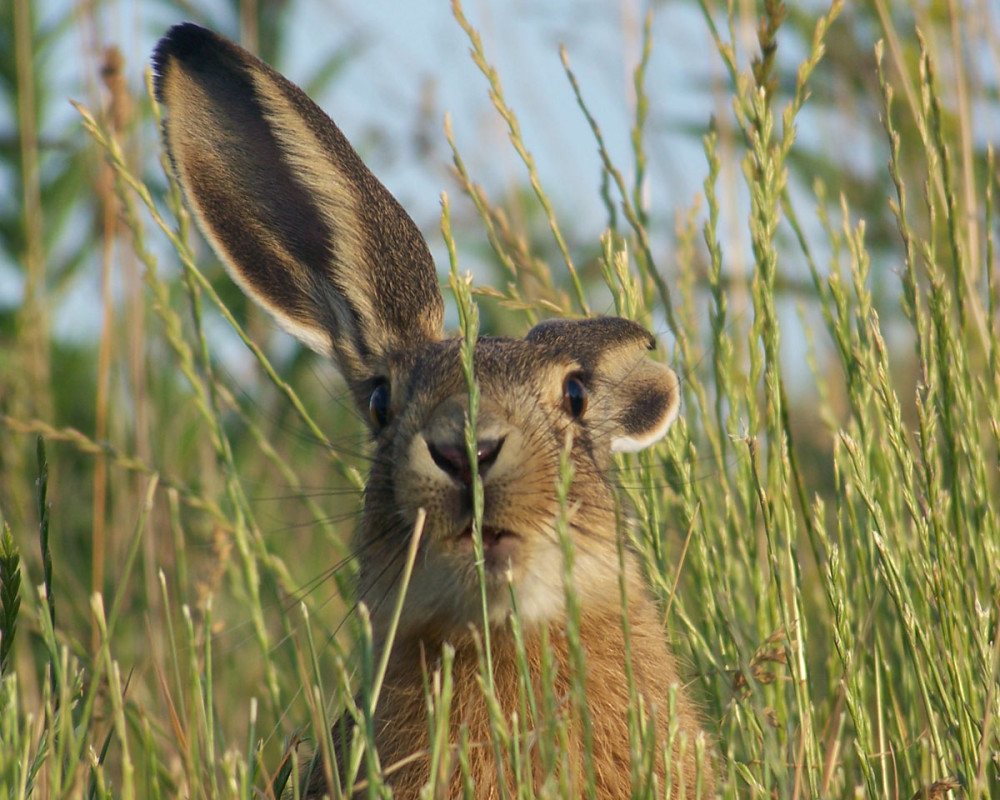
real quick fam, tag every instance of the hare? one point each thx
(309, 233)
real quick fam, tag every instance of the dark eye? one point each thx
(574, 395)
(378, 405)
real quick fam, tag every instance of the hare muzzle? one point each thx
(497, 451)
(428, 465)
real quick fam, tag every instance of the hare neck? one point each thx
(482, 700)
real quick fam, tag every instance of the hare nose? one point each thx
(454, 458)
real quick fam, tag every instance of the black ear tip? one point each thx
(186, 42)
(187, 39)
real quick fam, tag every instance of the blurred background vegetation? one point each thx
(179, 470)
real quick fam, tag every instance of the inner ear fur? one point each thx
(646, 399)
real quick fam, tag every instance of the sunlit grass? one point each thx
(823, 537)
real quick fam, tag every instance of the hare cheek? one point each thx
(540, 600)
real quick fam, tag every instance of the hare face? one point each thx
(423, 463)
(568, 393)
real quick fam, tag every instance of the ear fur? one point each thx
(636, 398)
(648, 400)
(299, 221)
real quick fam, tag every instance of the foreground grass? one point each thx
(826, 549)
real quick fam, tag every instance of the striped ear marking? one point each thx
(299, 221)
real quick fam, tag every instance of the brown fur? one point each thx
(402, 723)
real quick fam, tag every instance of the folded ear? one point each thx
(648, 399)
(634, 399)
(299, 221)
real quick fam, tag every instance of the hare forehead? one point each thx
(502, 366)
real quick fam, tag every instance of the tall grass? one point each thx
(821, 526)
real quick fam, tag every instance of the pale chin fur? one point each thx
(450, 607)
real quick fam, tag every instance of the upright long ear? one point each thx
(299, 221)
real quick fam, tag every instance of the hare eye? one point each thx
(378, 405)
(574, 395)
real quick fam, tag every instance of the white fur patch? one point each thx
(633, 444)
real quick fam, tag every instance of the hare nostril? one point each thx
(454, 458)
(487, 451)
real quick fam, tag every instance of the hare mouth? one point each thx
(498, 543)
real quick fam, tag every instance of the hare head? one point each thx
(308, 232)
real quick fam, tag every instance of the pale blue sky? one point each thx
(415, 51)
(412, 51)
